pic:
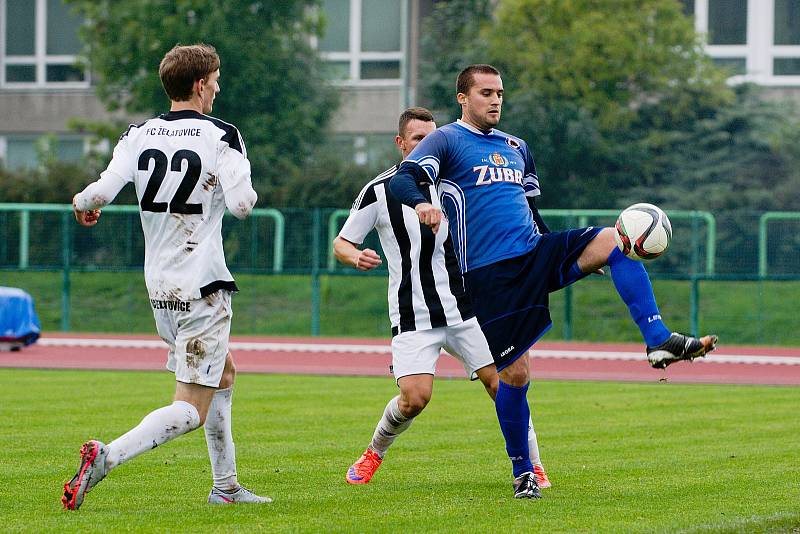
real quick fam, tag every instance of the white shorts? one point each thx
(197, 333)
(416, 352)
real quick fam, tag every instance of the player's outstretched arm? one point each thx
(86, 204)
(347, 253)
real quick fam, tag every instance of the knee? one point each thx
(411, 403)
(490, 382)
(517, 374)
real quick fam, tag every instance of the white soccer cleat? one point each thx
(92, 470)
(240, 495)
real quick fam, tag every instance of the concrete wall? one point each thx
(38, 111)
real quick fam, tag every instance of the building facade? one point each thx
(371, 47)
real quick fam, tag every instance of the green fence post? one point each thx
(333, 231)
(315, 296)
(694, 297)
(568, 292)
(24, 237)
(253, 242)
(66, 246)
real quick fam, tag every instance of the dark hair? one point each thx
(466, 78)
(409, 115)
(184, 65)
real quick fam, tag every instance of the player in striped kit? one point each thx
(428, 307)
(187, 168)
(486, 180)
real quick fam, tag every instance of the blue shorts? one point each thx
(511, 297)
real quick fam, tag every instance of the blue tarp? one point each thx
(18, 320)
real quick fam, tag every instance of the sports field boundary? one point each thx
(372, 357)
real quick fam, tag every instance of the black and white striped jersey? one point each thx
(186, 167)
(426, 289)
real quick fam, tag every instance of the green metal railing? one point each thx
(583, 218)
(763, 221)
(25, 210)
(30, 242)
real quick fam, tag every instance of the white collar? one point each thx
(472, 128)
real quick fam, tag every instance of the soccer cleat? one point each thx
(680, 347)
(242, 494)
(361, 472)
(541, 477)
(91, 471)
(525, 487)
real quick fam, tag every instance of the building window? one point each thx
(758, 41)
(39, 45)
(27, 151)
(727, 22)
(787, 22)
(786, 66)
(735, 66)
(363, 40)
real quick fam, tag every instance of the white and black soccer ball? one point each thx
(643, 231)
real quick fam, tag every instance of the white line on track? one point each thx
(386, 349)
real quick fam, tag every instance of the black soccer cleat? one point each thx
(680, 347)
(525, 487)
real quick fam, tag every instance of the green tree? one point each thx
(586, 82)
(465, 23)
(272, 80)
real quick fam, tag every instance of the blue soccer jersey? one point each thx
(482, 180)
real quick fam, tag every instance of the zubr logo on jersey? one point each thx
(498, 159)
(497, 171)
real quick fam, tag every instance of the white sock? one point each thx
(157, 428)
(389, 427)
(533, 445)
(219, 438)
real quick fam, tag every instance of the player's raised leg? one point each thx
(221, 449)
(664, 347)
(415, 393)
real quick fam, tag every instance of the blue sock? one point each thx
(513, 414)
(633, 285)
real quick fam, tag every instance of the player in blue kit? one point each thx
(487, 183)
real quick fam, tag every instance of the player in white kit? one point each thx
(187, 168)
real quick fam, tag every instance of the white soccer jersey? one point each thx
(186, 167)
(425, 285)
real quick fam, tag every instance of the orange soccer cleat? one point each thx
(361, 472)
(541, 477)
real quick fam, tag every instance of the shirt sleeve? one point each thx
(119, 172)
(530, 182)
(363, 216)
(420, 167)
(430, 154)
(233, 169)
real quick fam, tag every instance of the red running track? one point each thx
(370, 357)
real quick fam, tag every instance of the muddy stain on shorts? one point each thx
(195, 352)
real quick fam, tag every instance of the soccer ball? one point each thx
(643, 232)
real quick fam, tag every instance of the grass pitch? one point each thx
(622, 457)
